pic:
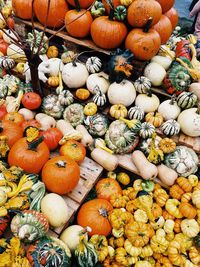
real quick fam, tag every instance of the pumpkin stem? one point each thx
(74, 63)
(173, 99)
(111, 15)
(61, 163)
(103, 212)
(77, 5)
(149, 93)
(148, 24)
(33, 145)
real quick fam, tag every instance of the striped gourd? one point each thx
(136, 113)
(99, 99)
(186, 100)
(142, 85)
(147, 129)
(170, 128)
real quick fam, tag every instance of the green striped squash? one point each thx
(142, 85)
(136, 113)
(186, 100)
(170, 128)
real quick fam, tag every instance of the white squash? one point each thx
(98, 81)
(122, 93)
(169, 109)
(8, 36)
(195, 88)
(55, 209)
(189, 121)
(16, 53)
(46, 121)
(54, 66)
(147, 103)
(75, 75)
(71, 236)
(27, 114)
(155, 73)
(165, 62)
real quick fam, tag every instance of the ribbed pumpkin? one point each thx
(141, 10)
(107, 33)
(12, 131)
(83, 3)
(166, 4)
(56, 14)
(143, 43)
(22, 9)
(164, 28)
(187, 210)
(78, 21)
(172, 15)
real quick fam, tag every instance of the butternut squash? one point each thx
(86, 139)
(126, 163)
(68, 132)
(147, 170)
(166, 175)
(105, 159)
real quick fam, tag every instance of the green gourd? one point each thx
(187, 100)
(74, 114)
(120, 13)
(136, 113)
(147, 129)
(142, 85)
(98, 9)
(170, 127)
(97, 125)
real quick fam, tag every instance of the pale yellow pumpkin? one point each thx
(190, 227)
(118, 111)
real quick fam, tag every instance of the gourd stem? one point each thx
(173, 99)
(111, 15)
(33, 145)
(77, 5)
(149, 93)
(148, 25)
(74, 63)
(198, 109)
(103, 212)
(61, 163)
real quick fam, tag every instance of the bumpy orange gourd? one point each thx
(106, 187)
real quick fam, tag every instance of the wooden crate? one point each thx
(90, 172)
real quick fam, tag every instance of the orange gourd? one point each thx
(140, 11)
(106, 187)
(22, 9)
(172, 15)
(115, 4)
(107, 33)
(14, 117)
(94, 214)
(176, 191)
(78, 21)
(60, 175)
(184, 184)
(187, 210)
(166, 4)
(31, 157)
(73, 150)
(177, 226)
(56, 14)
(156, 210)
(83, 3)
(164, 28)
(144, 43)
(12, 131)
(167, 216)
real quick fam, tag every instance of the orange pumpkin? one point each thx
(73, 150)
(176, 191)
(114, 2)
(172, 15)
(187, 210)
(108, 34)
(78, 22)
(32, 122)
(83, 3)
(61, 175)
(177, 226)
(31, 157)
(164, 28)
(107, 187)
(156, 210)
(140, 11)
(167, 216)
(14, 117)
(94, 214)
(52, 137)
(166, 4)
(12, 131)
(56, 14)
(145, 43)
(22, 9)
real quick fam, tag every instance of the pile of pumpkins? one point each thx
(151, 22)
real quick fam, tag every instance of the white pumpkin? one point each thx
(75, 76)
(55, 209)
(16, 53)
(189, 121)
(71, 236)
(98, 81)
(122, 93)
(195, 88)
(169, 109)
(165, 62)
(8, 36)
(155, 73)
(147, 103)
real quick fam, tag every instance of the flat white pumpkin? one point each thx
(165, 62)
(122, 93)
(155, 73)
(147, 103)
(169, 110)
(189, 121)
(75, 76)
(98, 81)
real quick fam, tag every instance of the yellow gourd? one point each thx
(184, 184)
(118, 111)
(143, 264)
(169, 226)
(193, 180)
(126, 2)
(118, 201)
(137, 233)
(90, 109)
(52, 51)
(137, 185)
(176, 191)
(146, 251)
(82, 94)
(123, 178)
(186, 197)
(155, 118)
(158, 243)
(172, 207)
(194, 255)
(161, 196)
(167, 145)
(123, 258)
(53, 81)
(101, 246)
(131, 250)
(140, 216)
(196, 198)
(190, 227)
(174, 254)
(159, 223)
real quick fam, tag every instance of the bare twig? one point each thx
(33, 27)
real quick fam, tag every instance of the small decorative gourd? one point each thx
(65, 98)
(52, 107)
(99, 99)
(136, 113)
(120, 13)
(147, 129)
(170, 128)
(118, 111)
(93, 64)
(167, 145)
(169, 109)
(97, 125)
(29, 225)
(49, 251)
(190, 227)
(146, 143)
(142, 85)
(187, 100)
(85, 253)
(183, 160)
(134, 125)
(7, 63)
(53, 81)
(52, 51)
(98, 9)
(82, 94)
(155, 118)
(74, 114)
(90, 109)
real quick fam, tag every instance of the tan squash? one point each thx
(105, 159)
(167, 175)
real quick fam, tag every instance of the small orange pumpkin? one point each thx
(11, 130)
(73, 150)
(106, 187)
(156, 210)
(187, 210)
(167, 216)
(176, 191)
(15, 117)
(184, 184)
(177, 226)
